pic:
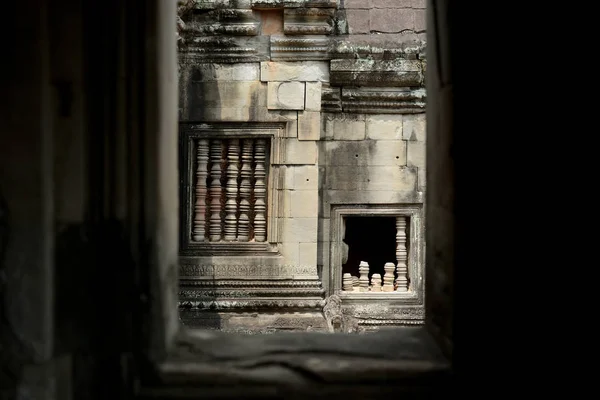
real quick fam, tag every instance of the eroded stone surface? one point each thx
(352, 107)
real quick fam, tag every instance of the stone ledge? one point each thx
(403, 358)
(376, 73)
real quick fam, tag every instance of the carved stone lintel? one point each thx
(223, 21)
(278, 4)
(377, 73)
(299, 48)
(383, 100)
(308, 21)
(225, 49)
(245, 270)
(253, 304)
(371, 47)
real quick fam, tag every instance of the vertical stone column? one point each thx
(231, 189)
(199, 227)
(260, 192)
(245, 191)
(401, 255)
(216, 153)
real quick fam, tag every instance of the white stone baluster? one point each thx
(231, 189)
(363, 270)
(260, 192)
(216, 156)
(401, 255)
(376, 283)
(347, 282)
(199, 227)
(245, 191)
(388, 277)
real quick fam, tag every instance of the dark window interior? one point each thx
(370, 239)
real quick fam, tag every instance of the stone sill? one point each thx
(213, 362)
(409, 295)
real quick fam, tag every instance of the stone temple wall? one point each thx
(333, 93)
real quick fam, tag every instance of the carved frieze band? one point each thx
(377, 73)
(389, 322)
(373, 101)
(224, 293)
(308, 21)
(375, 312)
(225, 49)
(253, 304)
(383, 100)
(299, 48)
(278, 4)
(223, 21)
(288, 283)
(224, 271)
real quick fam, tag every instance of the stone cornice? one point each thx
(383, 100)
(226, 49)
(300, 48)
(377, 73)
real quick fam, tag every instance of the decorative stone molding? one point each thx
(225, 49)
(351, 49)
(191, 294)
(222, 21)
(331, 99)
(380, 100)
(308, 21)
(245, 269)
(214, 4)
(299, 48)
(376, 73)
(254, 304)
(248, 284)
(278, 4)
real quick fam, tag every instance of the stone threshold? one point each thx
(209, 364)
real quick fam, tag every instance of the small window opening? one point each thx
(369, 239)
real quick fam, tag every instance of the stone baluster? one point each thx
(260, 192)
(363, 280)
(388, 277)
(245, 191)
(401, 255)
(376, 283)
(347, 282)
(199, 227)
(231, 190)
(216, 155)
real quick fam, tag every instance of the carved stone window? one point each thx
(227, 187)
(400, 247)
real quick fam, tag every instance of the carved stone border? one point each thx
(188, 132)
(333, 277)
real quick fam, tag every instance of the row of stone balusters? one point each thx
(387, 284)
(233, 208)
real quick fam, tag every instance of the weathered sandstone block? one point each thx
(285, 96)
